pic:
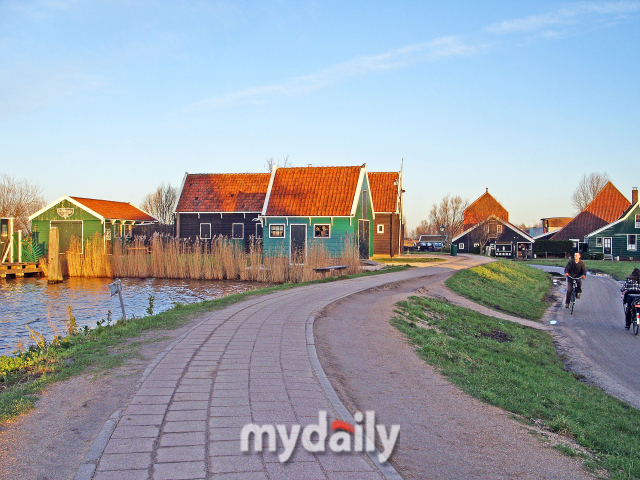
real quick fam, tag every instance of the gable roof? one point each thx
(607, 206)
(623, 217)
(314, 191)
(223, 192)
(103, 209)
(385, 190)
(484, 206)
(507, 224)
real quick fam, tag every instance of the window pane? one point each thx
(321, 231)
(238, 230)
(205, 230)
(276, 230)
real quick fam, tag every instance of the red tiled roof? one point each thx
(223, 192)
(384, 191)
(605, 208)
(479, 210)
(313, 191)
(114, 210)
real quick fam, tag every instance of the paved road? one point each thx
(595, 340)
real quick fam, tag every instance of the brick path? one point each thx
(253, 362)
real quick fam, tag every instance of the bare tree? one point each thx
(19, 199)
(450, 213)
(284, 163)
(483, 232)
(424, 228)
(589, 186)
(160, 203)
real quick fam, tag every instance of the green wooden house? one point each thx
(84, 217)
(327, 206)
(619, 238)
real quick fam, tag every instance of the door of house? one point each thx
(67, 230)
(298, 247)
(363, 238)
(606, 245)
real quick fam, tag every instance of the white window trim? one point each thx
(380, 228)
(637, 218)
(635, 245)
(205, 238)
(258, 225)
(232, 228)
(320, 224)
(461, 246)
(598, 242)
(117, 230)
(284, 230)
(130, 230)
(499, 228)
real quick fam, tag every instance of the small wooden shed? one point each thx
(386, 191)
(84, 217)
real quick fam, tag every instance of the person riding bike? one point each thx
(576, 269)
(631, 289)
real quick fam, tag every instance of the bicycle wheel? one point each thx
(634, 320)
(572, 302)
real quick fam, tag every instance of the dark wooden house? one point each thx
(481, 209)
(495, 236)
(388, 233)
(227, 204)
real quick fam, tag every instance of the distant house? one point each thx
(481, 209)
(607, 206)
(330, 207)
(227, 204)
(496, 235)
(551, 224)
(84, 217)
(386, 191)
(619, 238)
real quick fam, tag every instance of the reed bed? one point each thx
(218, 259)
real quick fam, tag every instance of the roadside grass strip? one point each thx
(516, 368)
(403, 260)
(618, 270)
(506, 286)
(106, 346)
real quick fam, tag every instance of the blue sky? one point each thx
(110, 98)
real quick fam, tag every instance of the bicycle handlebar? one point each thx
(573, 278)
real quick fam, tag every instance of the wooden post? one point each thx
(55, 273)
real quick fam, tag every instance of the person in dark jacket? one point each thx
(576, 269)
(631, 289)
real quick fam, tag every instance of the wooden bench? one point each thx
(325, 270)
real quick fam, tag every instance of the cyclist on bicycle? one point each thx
(631, 289)
(576, 269)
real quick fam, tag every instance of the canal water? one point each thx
(44, 308)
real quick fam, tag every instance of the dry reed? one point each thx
(217, 259)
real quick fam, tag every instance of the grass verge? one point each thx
(618, 270)
(106, 346)
(405, 260)
(516, 368)
(506, 286)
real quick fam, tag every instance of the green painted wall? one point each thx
(619, 236)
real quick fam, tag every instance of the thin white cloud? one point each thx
(391, 60)
(566, 16)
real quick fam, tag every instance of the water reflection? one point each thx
(44, 307)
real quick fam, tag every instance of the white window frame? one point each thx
(258, 226)
(499, 228)
(128, 230)
(284, 230)
(635, 242)
(461, 246)
(476, 245)
(107, 233)
(598, 242)
(117, 230)
(321, 224)
(380, 228)
(637, 221)
(233, 237)
(202, 236)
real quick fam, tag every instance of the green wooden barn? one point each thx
(328, 206)
(84, 217)
(619, 238)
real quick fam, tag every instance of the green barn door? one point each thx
(66, 231)
(298, 244)
(363, 238)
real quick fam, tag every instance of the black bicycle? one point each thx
(574, 292)
(633, 305)
(635, 314)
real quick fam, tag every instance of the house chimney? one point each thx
(487, 191)
(634, 195)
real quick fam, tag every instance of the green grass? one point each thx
(106, 346)
(506, 286)
(516, 368)
(618, 270)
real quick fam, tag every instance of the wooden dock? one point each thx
(19, 269)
